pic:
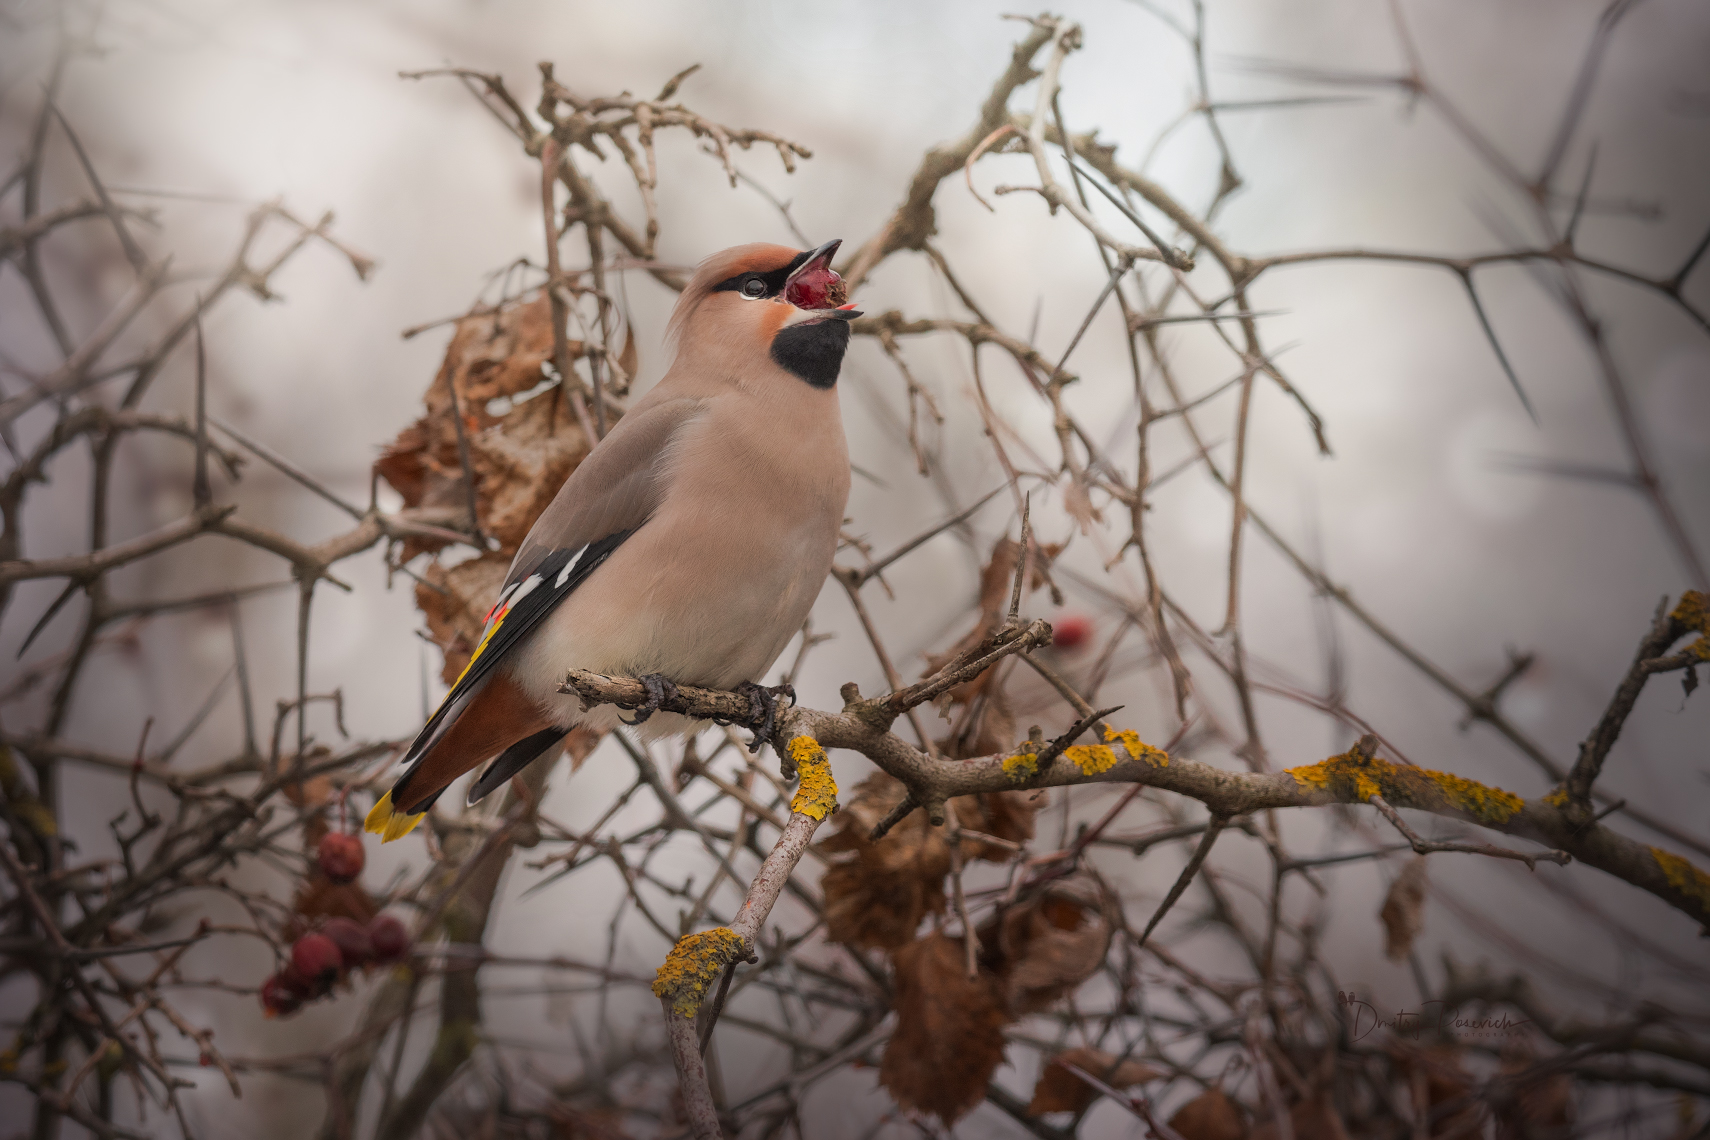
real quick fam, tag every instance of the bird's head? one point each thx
(768, 302)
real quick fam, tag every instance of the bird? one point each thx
(687, 547)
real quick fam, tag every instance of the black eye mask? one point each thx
(773, 280)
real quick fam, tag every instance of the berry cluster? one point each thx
(321, 957)
(338, 945)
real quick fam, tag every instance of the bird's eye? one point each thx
(754, 287)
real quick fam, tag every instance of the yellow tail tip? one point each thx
(389, 824)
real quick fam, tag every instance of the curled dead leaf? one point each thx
(319, 898)
(1540, 1103)
(981, 726)
(878, 895)
(1403, 910)
(1209, 1116)
(628, 361)
(1077, 500)
(1053, 938)
(1315, 1118)
(1435, 1076)
(949, 1035)
(455, 602)
(1002, 815)
(521, 439)
(1060, 1090)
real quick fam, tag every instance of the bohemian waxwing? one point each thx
(687, 547)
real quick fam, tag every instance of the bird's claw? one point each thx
(659, 689)
(763, 710)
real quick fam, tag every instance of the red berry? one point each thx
(351, 938)
(815, 288)
(296, 984)
(316, 957)
(278, 997)
(389, 938)
(1070, 631)
(340, 856)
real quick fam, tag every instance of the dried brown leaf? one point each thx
(1541, 1104)
(878, 896)
(1053, 938)
(989, 728)
(1060, 1090)
(580, 744)
(1209, 1116)
(1313, 1119)
(519, 465)
(319, 897)
(1078, 502)
(455, 603)
(949, 1035)
(628, 360)
(1438, 1071)
(519, 459)
(1403, 910)
(1002, 815)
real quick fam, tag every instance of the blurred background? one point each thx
(1444, 508)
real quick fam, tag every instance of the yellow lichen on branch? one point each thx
(1137, 748)
(1091, 759)
(817, 796)
(1683, 876)
(1023, 764)
(1353, 777)
(693, 964)
(1693, 611)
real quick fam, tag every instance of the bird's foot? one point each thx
(659, 689)
(763, 710)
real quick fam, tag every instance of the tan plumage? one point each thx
(724, 486)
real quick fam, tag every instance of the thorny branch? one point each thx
(847, 951)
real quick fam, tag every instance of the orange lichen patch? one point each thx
(1356, 779)
(1693, 612)
(1138, 749)
(1683, 876)
(1557, 797)
(1091, 759)
(817, 796)
(693, 964)
(1021, 765)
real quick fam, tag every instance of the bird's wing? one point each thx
(609, 496)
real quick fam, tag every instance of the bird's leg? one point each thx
(763, 710)
(659, 690)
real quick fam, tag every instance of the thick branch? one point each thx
(1350, 778)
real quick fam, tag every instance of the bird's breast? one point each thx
(713, 586)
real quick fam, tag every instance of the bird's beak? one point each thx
(815, 291)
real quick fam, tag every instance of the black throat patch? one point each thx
(813, 352)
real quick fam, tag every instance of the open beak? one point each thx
(819, 259)
(815, 291)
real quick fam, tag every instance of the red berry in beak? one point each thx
(813, 285)
(389, 938)
(317, 958)
(1070, 632)
(340, 857)
(818, 288)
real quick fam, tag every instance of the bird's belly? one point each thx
(709, 608)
